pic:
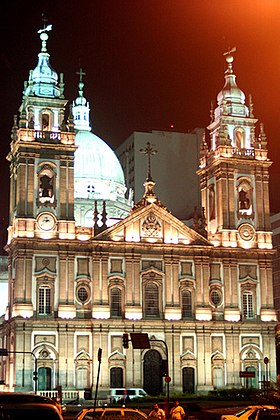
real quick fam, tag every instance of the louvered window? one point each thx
(116, 302)
(186, 304)
(151, 300)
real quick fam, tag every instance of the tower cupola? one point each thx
(81, 108)
(234, 171)
(231, 99)
(43, 80)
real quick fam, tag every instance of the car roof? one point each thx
(30, 406)
(110, 409)
(114, 409)
(263, 406)
(24, 398)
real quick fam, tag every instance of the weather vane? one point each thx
(230, 51)
(149, 151)
(45, 28)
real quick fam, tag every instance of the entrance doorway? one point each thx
(188, 380)
(116, 377)
(251, 382)
(44, 378)
(153, 373)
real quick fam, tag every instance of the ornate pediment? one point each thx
(152, 224)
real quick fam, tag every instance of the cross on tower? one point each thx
(149, 151)
(81, 73)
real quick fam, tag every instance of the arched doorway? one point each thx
(44, 378)
(153, 372)
(188, 380)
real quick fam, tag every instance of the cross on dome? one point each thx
(81, 73)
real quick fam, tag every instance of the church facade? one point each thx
(203, 295)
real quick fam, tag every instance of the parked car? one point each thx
(124, 394)
(116, 413)
(19, 406)
(255, 412)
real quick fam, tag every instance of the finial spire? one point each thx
(149, 151)
(43, 33)
(81, 73)
(81, 106)
(229, 59)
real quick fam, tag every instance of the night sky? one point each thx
(148, 63)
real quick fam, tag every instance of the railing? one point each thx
(70, 395)
(248, 153)
(46, 136)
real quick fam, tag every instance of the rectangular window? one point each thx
(151, 300)
(248, 305)
(186, 304)
(116, 303)
(44, 300)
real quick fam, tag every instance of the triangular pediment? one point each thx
(152, 224)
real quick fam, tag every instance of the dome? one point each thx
(231, 92)
(95, 163)
(98, 174)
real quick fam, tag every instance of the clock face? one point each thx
(46, 221)
(246, 231)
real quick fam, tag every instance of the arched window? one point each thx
(245, 199)
(151, 300)
(187, 304)
(115, 302)
(44, 300)
(247, 305)
(239, 138)
(212, 204)
(45, 122)
(46, 184)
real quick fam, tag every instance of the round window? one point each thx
(216, 297)
(82, 294)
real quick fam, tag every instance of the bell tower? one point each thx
(233, 171)
(42, 157)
